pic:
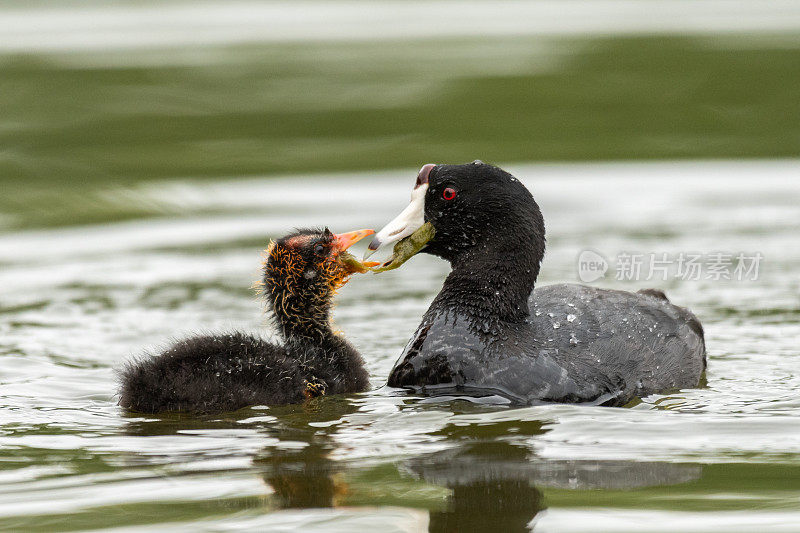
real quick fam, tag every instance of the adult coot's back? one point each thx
(488, 330)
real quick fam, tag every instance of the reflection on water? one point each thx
(488, 491)
(303, 478)
(497, 485)
(492, 481)
(304, 475)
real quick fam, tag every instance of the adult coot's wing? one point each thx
(450, 353)
(640, 341)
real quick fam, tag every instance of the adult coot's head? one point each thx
(474, 215)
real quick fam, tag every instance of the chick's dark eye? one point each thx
(319, 249)
(449, 193)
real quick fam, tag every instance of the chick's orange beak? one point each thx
(343, 241)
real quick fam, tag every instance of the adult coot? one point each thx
(488, 330)
(215, 373)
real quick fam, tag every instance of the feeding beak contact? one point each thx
(343, 241)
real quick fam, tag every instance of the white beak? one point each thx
(406, 223)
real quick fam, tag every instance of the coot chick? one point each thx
(489, 331)
(217, 373)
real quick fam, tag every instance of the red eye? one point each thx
(449, 193)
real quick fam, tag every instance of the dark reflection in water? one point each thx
(298, 469)
(489, 506)
(484, 496)
(305, 476)
(496, 480)
(489, 490)
(497, 484)
(302, 478)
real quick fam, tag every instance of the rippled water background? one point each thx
(145, 166)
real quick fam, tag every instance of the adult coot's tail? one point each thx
(655, 293)
(691, 320)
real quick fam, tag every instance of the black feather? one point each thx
(217, 373)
